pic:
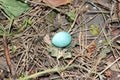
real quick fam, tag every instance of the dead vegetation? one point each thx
(95, 48)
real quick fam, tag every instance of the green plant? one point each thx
(12, 9)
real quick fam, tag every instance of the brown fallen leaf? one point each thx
(108, 73)
(57, 3)
(115, 75)
(91, 49)
(115, 31)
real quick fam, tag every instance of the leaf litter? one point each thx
(93, 54)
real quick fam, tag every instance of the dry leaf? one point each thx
(57, 3)
(91, 48)
(113, 75)
(108, 73)
(47, 39)
(114, 30)
(118, 10)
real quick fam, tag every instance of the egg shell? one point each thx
(61, 39)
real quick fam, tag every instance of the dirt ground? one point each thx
(93, 54)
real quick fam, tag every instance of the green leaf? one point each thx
(59, 53)
(67, 55)
(51, 17)
(71, 15)
(14, 48)
(104, 51)
(70, 46)
(53, 50)
(13, 7)
(2, 30)
(94, 29)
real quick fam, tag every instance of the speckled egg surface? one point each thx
(61, 39)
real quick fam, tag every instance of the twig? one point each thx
(103, 5)
(73, 23)
(7, 56)
(96, 12)
(58, 69)
(108, 67)
(79, 54)
(78, 12)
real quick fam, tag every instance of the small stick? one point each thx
(7, 56)
(108, 67)
(103, 5)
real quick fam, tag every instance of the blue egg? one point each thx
(61, 39)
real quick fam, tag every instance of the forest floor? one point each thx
(26, 52)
